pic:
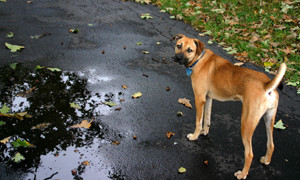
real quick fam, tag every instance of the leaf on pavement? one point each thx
(18, 157)
(13, 66)
(86, 163)
(4, 109)
(21, 143)
(139, 43)
(181, 170)
(74, 105)
(41, 126)
(10, 35)
(185, 102)
(83, 124)
(170, 134)
(2, 123)
(137, 95)
(54, 69)
(124, 87)
(179, 114)
(110, 104)
(14, 48)
(279, 125)
(74, 31)
(5, 140)
(238, 63)
(146, 16)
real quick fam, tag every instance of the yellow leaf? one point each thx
(137, 95)
(5, 140)
(83, 124)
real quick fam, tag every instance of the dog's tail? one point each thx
(277, 79)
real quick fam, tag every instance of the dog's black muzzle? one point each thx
(179, 58)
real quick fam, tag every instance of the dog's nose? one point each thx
(178, 57)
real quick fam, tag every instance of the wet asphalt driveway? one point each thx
(95, 63)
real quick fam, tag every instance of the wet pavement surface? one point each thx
(95, 63)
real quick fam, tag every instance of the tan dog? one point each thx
(216, 78)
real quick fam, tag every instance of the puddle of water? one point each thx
(58, 149)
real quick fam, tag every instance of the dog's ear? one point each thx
(178, 36)
(200, 46)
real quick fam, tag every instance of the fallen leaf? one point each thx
(210, 42)
(181, 170)
(170, 134)
(2, 123)
(41, 126)
(139, 43)
(158, 43)
(74, 105)
(83, 124)
(279, 125)
(274, 44)
(74, 172)
(10, 35)
(185, 102)
(146, 16)
(14, 48)
(118, 109)
(86, 163)
(5, 140)
(18, 157)
(238, 64)
(74, 31)
(145, 52)
(13, 65)
(201, 34)
(21, 143)
(3, 1)
(54, 69)
(179, 114)
(137, 95)
(268, 64)
(124, 87)
(4, 109)
(115, 143)
(110, 104)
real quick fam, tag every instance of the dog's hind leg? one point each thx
(207, 115)
(249, 121)
(269, 118)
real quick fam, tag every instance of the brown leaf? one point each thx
(86, 163)
(115, 143)
(124, 87)
(238, 64)
(5, 140)
(254, 39)
(185, 102)
(280, 27)
(170, 134)
(287, 51)
(83, 124)
(206, 163)
(275, 44)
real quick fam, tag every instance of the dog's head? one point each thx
(187, 50)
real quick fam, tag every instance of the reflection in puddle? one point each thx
(58, 149)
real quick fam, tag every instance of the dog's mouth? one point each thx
(179, 58)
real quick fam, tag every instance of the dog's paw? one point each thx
(192, 137)
(240, 175)
(204, 131)
(264, 160)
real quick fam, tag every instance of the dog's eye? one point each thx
(189, 50)
(179, 46)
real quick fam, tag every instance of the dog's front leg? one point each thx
(199, 103)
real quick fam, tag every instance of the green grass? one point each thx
(261, 31)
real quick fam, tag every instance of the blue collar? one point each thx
(189, 70)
